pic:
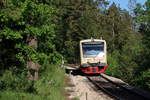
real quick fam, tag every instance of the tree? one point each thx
(143, 26)
(122, 43)
(78, 21)
(132, 6)
(118, 26)
(27, 34)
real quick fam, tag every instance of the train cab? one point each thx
(93, 56)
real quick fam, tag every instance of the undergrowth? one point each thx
(50, 86)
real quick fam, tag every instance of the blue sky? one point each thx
(124, 3)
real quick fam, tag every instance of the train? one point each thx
(93, 56)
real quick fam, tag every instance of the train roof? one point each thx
(88, 40)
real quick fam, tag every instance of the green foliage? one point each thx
(113, 67)
(75, 98)
(51, 84)
(146, 77)
(28, 18)
(13, 95)
(142, 18)
(21, 21)
(12, 81)
(77, 20)
(142, 80)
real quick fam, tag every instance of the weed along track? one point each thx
(115, 90)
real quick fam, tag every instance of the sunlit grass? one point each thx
(50, 86)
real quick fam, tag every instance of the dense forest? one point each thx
(36, 34)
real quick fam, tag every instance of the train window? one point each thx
(93, 49)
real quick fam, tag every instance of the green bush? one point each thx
(13, 95)
(11, 80)
(113, 65)
(146, 77)
(50, 86)
(51, 83)
(142, 80)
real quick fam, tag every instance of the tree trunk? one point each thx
(32, 66)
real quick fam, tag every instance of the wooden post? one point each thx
(86, 96)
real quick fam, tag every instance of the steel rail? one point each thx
(126, 88)
(103, 89)
(111, 94)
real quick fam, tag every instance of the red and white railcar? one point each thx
(93, 56)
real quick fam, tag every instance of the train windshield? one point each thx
(94, 49)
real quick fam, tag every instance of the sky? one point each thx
(124, 3)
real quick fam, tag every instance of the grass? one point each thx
(50, 86)
(75, 98)
(13, 95)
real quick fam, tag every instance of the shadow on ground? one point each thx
(75, 72)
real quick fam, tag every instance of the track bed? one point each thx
(115, 90)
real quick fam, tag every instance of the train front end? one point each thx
(93, 56)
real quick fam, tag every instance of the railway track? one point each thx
(115, 90)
